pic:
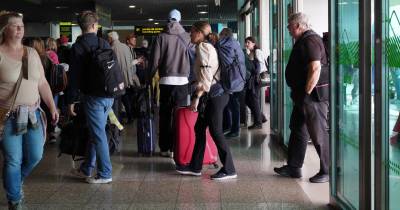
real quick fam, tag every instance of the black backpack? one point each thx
(108, 79)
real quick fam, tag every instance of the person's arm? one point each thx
(314, 71)
(45, 92)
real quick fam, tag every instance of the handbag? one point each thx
(6, 112)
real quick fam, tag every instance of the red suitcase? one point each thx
(185, 139)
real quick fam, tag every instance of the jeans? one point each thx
(21, 154)
(97, 109)
(212, 118)
(309, 119)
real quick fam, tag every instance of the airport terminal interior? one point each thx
(361, 40)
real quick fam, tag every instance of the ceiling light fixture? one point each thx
(132, 6)
(61, 7)
(150, 19)
(203, 12)
(201, 5)
(156, 23)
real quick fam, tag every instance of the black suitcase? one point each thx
(75, 135)
(145, 123)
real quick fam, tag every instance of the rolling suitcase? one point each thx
(145, 124)
(185, 139)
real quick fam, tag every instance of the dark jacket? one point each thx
(169, 54)
(79, 78)
(64, 54)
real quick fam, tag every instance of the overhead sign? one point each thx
(66, 29)
(148, 31)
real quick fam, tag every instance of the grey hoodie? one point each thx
(169, 55)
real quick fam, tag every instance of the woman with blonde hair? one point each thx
(22, 84)
(209, 100)
(51, 50)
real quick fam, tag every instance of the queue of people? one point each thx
(192, 73)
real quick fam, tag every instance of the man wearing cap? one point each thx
(170, 57)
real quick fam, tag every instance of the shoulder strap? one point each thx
(22, 74)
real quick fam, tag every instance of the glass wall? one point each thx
(274, 67)
(391, 68)
(287, 48)
(347, 106)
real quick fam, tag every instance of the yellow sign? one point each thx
(139, 30)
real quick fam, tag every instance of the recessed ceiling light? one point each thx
(156, 23)
(202, 5)
(150, 19)
(203, 12)
(61, 7)
(132, 6)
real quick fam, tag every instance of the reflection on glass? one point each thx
(348, 102)
(274, 72)
(392, 68)
(287, 47)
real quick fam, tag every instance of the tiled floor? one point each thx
(152, 183)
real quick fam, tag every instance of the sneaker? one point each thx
(79, 173)
(15, 205)
(223, 176)
(57, 129)
(320, 178)
(186, 170)
(232, 135)
(52, 140)
(255, 126)
(288, 171)
(165, 154)
(98, 180)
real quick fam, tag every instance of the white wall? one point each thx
(317, 11)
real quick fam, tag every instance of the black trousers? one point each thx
(309, 119)
(253, 102)
(212, 118)
(171, 96)
(127, 100)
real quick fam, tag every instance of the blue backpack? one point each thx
(232, 65)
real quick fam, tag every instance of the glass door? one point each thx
(346, 105)
(287, 48)
(388, 78)
(274, 68)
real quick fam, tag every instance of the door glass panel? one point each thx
(287, 47)
(391, 67)
(274, 73)
(347, 107)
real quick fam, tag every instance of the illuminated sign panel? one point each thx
(148, 31)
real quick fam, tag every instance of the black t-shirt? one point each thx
(307, 49)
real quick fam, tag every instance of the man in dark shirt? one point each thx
(95, 104)
(310, 111)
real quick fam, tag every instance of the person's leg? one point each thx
(317, 124)
(32, 148)
(200, 127)
(179, 98)
(234, 104)
(97, 112)
(11, 146)
(165, 118)
(298, 138)
(214, 116)
(253, 101)
(126, 101)
(227, 119)
(243, 107)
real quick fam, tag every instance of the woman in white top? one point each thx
(210, 100)
(23, 135)
(253, 86)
